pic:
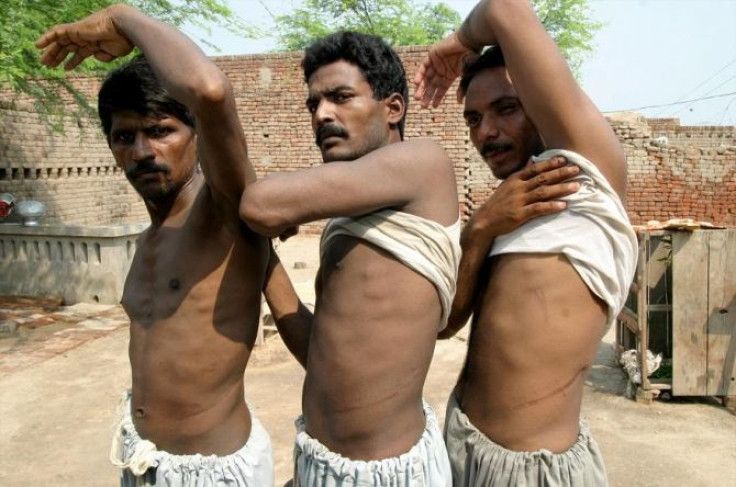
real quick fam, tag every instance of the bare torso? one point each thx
(372, 341)
(533, 339)
(193, 298)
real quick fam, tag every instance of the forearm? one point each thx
(467, 287)
(179, 64)
(293, 319)
(476, 244)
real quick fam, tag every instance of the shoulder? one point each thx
(426, 154)
(428, 146)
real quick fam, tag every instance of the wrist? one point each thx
(476, 232)
(464, 38)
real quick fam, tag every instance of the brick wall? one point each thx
(691, 175)
(72, 173)
(667, 180)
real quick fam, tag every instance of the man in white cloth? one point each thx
(194, 288)
(389, 258)
(553, 284)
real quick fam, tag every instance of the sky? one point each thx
(661, 58)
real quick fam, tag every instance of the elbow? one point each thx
(256, 214)
(212, 89)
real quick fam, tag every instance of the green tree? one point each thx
(403, 22)
(400, 22)
(23, 21)
(568, 23)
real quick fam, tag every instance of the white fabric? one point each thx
(593, 232)
(142, 464)
(425, 465)
(479, 462)
(423, 245)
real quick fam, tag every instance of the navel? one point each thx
(140, 413)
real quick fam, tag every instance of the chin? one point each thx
(337, 155)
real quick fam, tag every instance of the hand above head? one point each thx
(96, 35)
(439, 69)
(528, 193)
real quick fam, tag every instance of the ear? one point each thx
(395, 107)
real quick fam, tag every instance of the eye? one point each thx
(472, 120)
(159, 131)
(341, 97)
(122, 137)
(507, 108)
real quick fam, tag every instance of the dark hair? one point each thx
(491, 58)
(134, 86)
(379, 63)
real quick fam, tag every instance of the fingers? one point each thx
(288, 233)
(460, 94)
(46, 38)
(549, 192)
(79, 56)
(54, 54)
(418, 80)
(104, 56)
(533, 169)
(543, 208)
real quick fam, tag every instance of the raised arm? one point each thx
(394, 176)
(182, 68)
(564, 115)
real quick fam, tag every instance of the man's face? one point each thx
(158, 155)
(348, 122)
(499, 128)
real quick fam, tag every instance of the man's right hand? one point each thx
(96, 35)
(528, 193)
(439, 69)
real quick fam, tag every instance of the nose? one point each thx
(142, 148)
(488, 128)
(324, 113)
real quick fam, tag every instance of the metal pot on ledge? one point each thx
(30, 212)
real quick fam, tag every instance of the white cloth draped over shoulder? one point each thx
(423, 245)
(593, 232)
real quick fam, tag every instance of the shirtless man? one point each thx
(193, 290)
(389, 259)
(554, 284)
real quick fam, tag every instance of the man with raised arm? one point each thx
(542, 294)
(193, 290)
(389, 259)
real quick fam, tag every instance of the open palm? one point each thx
(439, 69)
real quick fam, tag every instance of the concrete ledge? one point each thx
(73, 231)
(77, 264)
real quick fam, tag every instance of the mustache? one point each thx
(330, 130)
(145, 167)
(490, 147)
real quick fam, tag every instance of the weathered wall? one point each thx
(690, 174)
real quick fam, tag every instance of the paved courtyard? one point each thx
(63, 368)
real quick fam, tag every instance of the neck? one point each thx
(179, 201)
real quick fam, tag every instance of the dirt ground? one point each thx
(58, 393)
